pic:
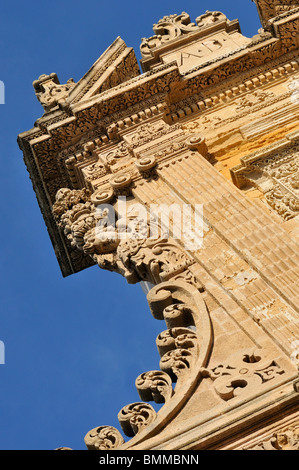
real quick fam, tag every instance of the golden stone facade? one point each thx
(212, 120)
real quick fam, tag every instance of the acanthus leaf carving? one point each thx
(177, 362)
(138, 255)
(154, 386)
(103, 438)
(177, 338)
(135, 417)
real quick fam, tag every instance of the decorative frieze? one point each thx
(244, 374)
(270, 9)
(276, 174)
(285, 438)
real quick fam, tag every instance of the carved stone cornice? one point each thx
(100, 111)
(281, 435)
(284, 439)
(274, 170)
(272, 9)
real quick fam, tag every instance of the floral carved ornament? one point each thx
(175, 298)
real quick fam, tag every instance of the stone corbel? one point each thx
(146, 166)
(197, 142)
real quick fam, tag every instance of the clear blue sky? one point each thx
(74, 346)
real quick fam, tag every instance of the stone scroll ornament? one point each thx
(89, 226)
(284, 439)
(176, 299)
(248, 372)
(50, 92)
(173, 26)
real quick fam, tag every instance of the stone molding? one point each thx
(121, 133)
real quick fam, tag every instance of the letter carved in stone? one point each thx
(240, 376)
(154, 386)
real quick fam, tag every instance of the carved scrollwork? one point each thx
(243, 375)
(168, 28)
(121, 183)
(178, 302)
(94, 171)
(146, 165)
(176, 338)
(177, 362)
(138, 256)
(178, 348)
(50, 92)
(135, 417)
(178, 315)
(103, 438)
(284, 439)
(102, 196)
(154, 386)
(197, 142)
(182, 302)
(209, 18)
(112, 157)
(271, 8)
